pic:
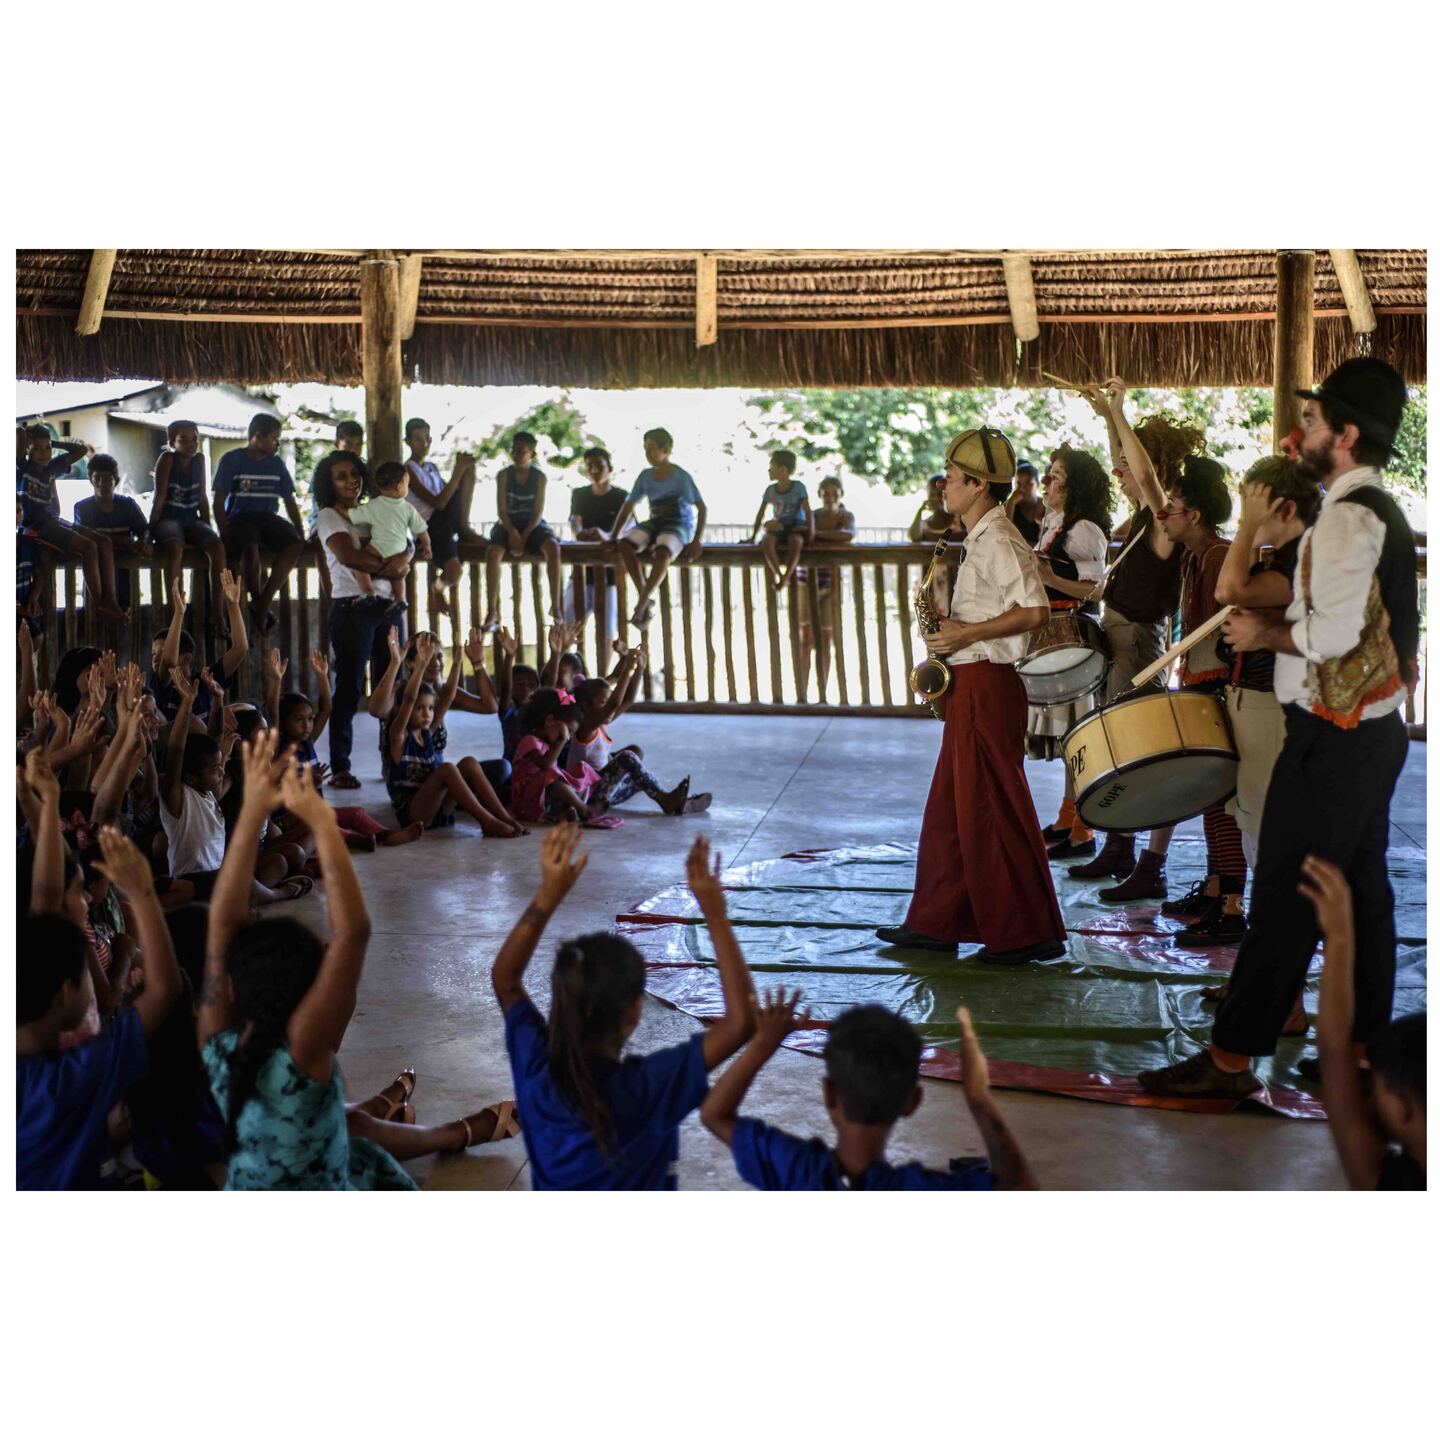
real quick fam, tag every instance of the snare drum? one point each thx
(1067, 660)
(1152, 760)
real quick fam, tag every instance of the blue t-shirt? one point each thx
(769, 1159)
(649, 1096)
(38, 487)
(125, 518)
(787, 505)
(247, 486)
(672, 500)
(62, 1104)
(520, 498)
(509, 731)
(184, 488)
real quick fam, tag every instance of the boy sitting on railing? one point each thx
(793, 522)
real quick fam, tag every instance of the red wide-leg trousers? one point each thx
(982, 873)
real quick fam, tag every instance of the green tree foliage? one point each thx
(558, 426)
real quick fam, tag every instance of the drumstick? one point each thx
(1065, 384)
(1176, 651)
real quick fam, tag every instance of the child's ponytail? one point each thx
(595, 981)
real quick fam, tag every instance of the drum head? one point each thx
(1160, 791)
(1053, 660)
(1062, 675)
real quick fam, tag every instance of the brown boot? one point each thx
(1145, 882)
(1116, 859)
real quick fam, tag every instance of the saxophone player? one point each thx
(982, 873)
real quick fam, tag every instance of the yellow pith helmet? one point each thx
(983, 454)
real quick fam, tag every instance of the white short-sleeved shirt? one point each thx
(344, 582)
(997, 574)
(196, 836)
(1085, 544)
(426, 482)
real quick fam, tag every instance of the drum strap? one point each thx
(1104, 580)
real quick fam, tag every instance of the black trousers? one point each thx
(1330, 796)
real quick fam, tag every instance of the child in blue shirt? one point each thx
(180, 510)
(872, 1078)
(515, 685)
(593, 1118)
(521, 529)
(792, 521)
(121, 521)
(675, 526)
(250, 485)
(63, 1098)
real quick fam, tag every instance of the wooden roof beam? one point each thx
(1355, 290)
(707, 323)
(409, 291)
(1020, 288)
(97, 287)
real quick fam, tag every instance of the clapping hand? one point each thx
(560, 866)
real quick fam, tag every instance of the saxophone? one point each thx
(930, 679)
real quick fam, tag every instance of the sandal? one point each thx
(344, 781)
(289, 890)
(406, 1081)
(506, 1125)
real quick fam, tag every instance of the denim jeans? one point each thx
(359, 631)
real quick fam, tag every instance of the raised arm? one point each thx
(272, 669)
(47, 882)
(1152, 493)
(774, 1018)
(560, 868)
(622, 692)
(486, 701)
(1235, 585)
(230, 899)
(325, 699)
(170, 651)
(382, 697)
(1359, 1141)
(446, 698)
(239, 637)
(400, 721)
(318, 1023)
(127, 869)
(1007, 1161)
(505, 669)
(174, 781)
(26, 686)
(737, 1024)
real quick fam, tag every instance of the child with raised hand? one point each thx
(274, 1006)
(515, 685)
(872, 1079)
(175, 647)
(539, 789)
(594, 1118)
(422, 784)
(1381, 1139)
(63, 1098)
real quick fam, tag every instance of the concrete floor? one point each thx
(441, 908)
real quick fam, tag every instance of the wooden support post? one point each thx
(380, 332)
(97, 287)
(706, 285)
(1020, 289)
(1294, 336)
(409, 293)
(1355, 291)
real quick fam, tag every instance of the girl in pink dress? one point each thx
(539, 789)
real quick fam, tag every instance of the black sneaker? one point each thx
(1042, 950)
(1067, 849)
(913, 940)
(1199, 1078)
(1192, 905)
(1215, 927)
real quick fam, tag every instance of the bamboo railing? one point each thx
(722, 639)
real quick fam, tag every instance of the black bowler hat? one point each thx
(1367, 393)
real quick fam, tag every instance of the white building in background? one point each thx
(128, 420)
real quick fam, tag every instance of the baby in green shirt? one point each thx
(389, 521)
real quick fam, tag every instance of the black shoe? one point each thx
(1192, 905)
(1213, 928)
(1199, 1078)
(1043, 950)
(1067, 849)
(1055, 833)
(913, 940)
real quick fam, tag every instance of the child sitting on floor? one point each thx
(515, 684)
(389, 522)
(274, 1007)
(594, 1118)
(620, 772)
(539, 788)
(422, 784)
(175, 648)
(872, 1079)
(63, 1099)
(1381, 1139)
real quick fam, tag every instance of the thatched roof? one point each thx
(626, 318)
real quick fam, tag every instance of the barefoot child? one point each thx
(792, 523)
(274, 1006)
(63, 1099)
(872, 1080)
(521, 529)
(599, 704)
(121, 521)
(1381, 1138)
(594, 1118)
(834, 525)
(539, 789)
(180, 511)
(422, 784)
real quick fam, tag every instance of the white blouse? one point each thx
(1085, 545)
(997, 574)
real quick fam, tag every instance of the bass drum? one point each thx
(1151, 761)
(1067, 661)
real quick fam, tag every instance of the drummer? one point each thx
(1189, 517)
(1071, 562)
(1141, 595)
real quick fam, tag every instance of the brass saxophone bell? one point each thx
(930, 680)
